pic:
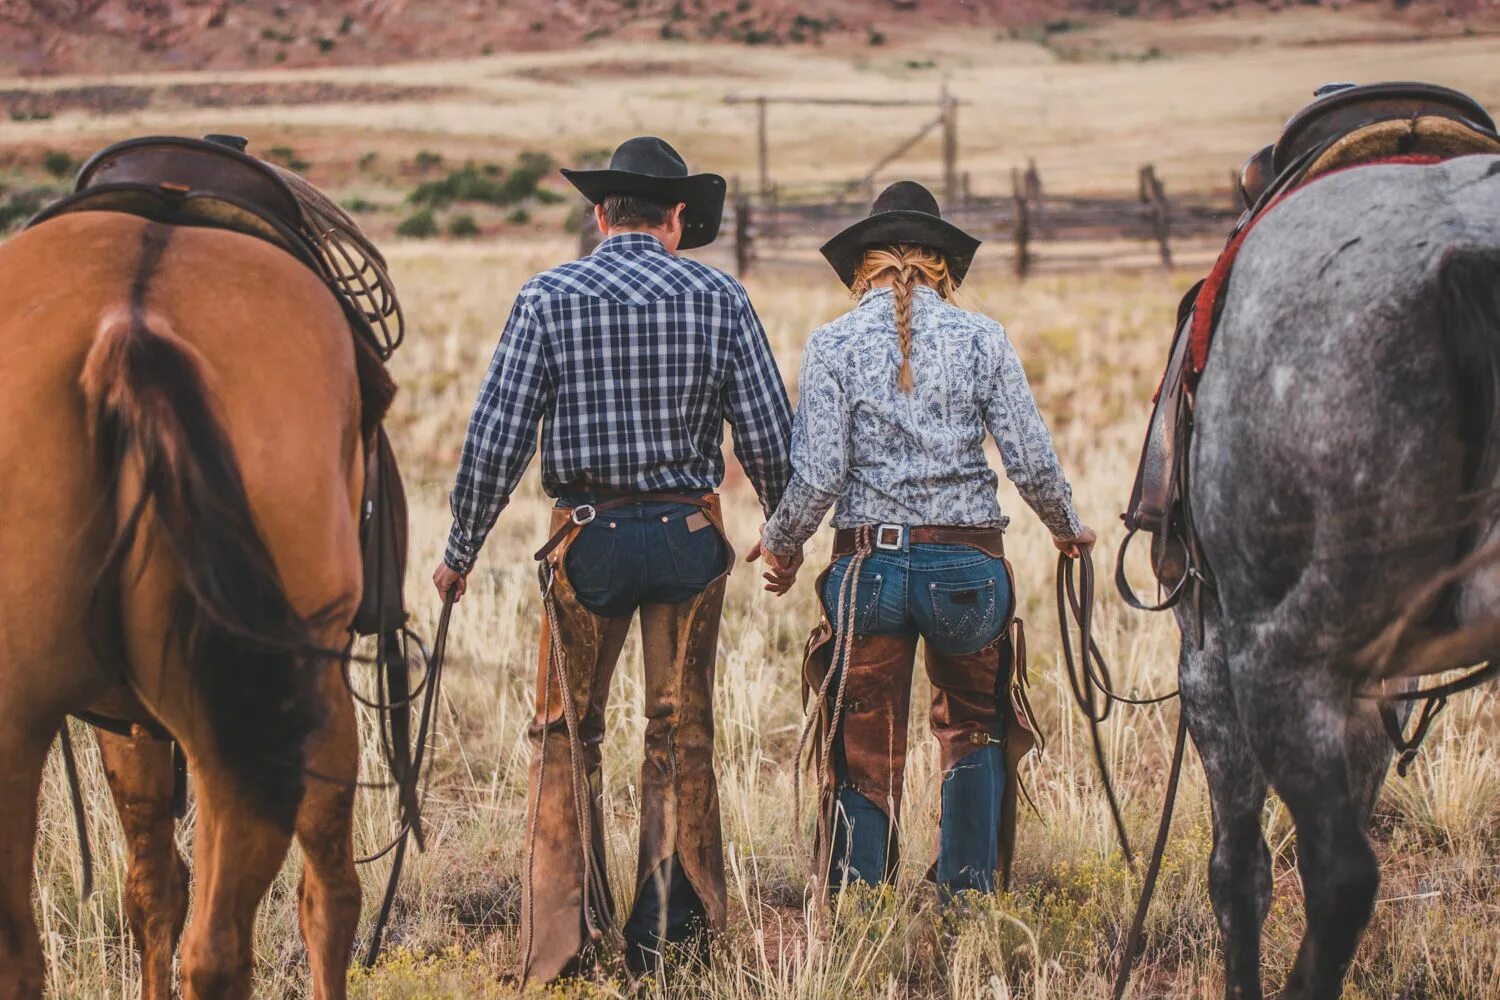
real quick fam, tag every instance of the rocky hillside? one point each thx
(43, 37)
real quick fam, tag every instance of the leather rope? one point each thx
(431, 687)
(1089, 677)
(848, 604)
(594, 887)
(1153, 867)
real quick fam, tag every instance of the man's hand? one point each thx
(446, 579)
(781, 572)
(1074, 547)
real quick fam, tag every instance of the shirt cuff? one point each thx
(462, 550)
(797, 517)
(1062, 520)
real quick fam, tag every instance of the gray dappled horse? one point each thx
(1342, 430)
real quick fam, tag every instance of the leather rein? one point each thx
(1094, 693)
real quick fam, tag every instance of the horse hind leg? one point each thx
(1298, 714)
(24, 752)
(142, 781)
(1239, 868)
(329, 892)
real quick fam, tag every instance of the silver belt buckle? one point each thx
(889, 537)
(583, 515)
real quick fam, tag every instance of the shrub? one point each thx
(419, 226)
(461, 226)
(489, 184)
(519, 217)
(287, 157)
(58, 163)
(18, 207)
(426, 159)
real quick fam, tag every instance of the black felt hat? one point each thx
(649, 166)
(905, 212)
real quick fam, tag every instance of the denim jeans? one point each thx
(958, 600)
(643, 553)
(660, 553)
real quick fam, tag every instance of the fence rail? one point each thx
(1042, 230)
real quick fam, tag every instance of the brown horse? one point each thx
(180, 446)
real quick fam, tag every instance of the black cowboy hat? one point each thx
(649, 166)
(905, 212)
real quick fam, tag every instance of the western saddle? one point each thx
(214, 182)
(1345, 126)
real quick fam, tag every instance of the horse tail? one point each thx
(1468, 313)
(1469, 299)
(243, 644)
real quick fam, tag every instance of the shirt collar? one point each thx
(631, 243)
(884, 290)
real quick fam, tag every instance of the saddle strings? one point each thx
(354, 264)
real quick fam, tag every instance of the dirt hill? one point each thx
(46, 37)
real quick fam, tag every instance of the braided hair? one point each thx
(906, 265)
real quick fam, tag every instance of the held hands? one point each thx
(1075, 546)
(781, 572)
(447, 579)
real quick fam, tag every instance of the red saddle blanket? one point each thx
(1210, 293)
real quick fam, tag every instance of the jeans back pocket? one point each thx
(867, 617)
(590, 561)
(697, 550)
(965, 616)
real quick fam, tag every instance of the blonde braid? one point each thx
(907, 265)
(905, 279)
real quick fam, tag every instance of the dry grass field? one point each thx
(1093, 345)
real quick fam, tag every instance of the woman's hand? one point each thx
(445, 578)
(1075, 546)
(781, 571)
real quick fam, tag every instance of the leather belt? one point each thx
(892, 537)
(586, 512)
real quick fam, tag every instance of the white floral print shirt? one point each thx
(888, 457)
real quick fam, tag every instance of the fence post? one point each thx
(1035, 200)
(950, 146)
(1151, 191)
(1023, 225)
(744, 236)
(773, 212)
(589, 236)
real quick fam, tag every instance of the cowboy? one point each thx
(635, 357)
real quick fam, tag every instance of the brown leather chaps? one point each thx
(977, 698)
(567, 909)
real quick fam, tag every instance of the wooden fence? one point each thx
(1041, 230)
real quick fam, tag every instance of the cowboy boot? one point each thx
(563, 922)
(863, 795)
(680, 890)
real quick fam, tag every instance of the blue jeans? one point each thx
(658, 553)
(958, 600)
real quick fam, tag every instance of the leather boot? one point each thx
(871, 739)
(679, 793)
(566, 907)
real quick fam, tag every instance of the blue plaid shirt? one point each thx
(635, 357)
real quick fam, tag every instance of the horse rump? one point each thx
(245, 648)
